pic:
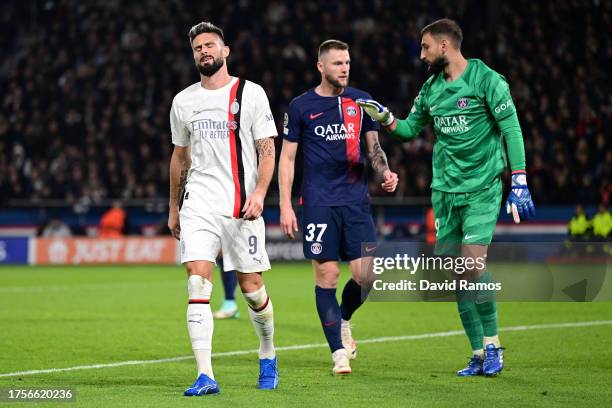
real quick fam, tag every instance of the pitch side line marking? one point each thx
(307, 346)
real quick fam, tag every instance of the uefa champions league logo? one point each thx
(463, 103)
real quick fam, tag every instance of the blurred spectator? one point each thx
(602, 223)
(112, 222)
(56, 228)
(430, 227)
(87, 119)
(579, 225)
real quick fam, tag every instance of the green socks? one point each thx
(471, 321)
(478, 313)
(487, 307)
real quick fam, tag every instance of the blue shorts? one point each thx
(333, 233)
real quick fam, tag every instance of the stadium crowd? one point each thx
(87, 86)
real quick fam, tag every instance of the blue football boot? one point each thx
(473, 368)
(203, 385)
(268, 374)
(493, 361)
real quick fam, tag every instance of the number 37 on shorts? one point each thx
(333, 233)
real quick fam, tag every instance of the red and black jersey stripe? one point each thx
(199, 301)
(236, 147)
(353, 151)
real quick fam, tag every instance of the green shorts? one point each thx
(465, 218)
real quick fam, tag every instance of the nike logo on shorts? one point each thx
(469, 236)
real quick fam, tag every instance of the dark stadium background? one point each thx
(86, 89)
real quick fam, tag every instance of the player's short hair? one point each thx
(447, 27)
(205, 27)
(332, 45)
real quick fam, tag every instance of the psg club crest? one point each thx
(351, 111)
(463, 103)
(234, 107)
(316, 248)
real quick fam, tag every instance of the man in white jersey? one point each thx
(218, 125)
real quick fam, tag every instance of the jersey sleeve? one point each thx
(497, 96)
(368, 123)
(292, 123)
(263, 122)
(180, 133)
(417, 119)
(499, 101)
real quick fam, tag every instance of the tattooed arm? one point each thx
(378, 160)
(266, 154)
(179, 167)
(286, 170)
(377, 157)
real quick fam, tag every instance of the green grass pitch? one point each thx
(57, 317)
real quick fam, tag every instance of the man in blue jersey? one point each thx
(336, 213)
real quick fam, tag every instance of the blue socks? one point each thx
(351, 299)
(229, 282)
(329, 314)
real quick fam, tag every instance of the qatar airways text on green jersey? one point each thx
(468, 153)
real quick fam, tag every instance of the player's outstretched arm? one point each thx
(266, 152)
(378, 112)
(180, 162)
(286, 169)
(378, 160)
(404, 130)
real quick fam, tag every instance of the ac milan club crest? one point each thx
(463, 103)
(234, 107)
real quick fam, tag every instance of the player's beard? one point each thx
(336, 83)
(211, 69)
(438, 65)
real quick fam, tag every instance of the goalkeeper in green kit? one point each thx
(473, 118)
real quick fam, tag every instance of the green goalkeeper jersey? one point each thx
(468, 152)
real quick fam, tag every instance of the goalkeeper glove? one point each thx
(376, 111)
(519, 202)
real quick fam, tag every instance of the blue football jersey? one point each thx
(330, 130)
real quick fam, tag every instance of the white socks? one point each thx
(492, 339)
(262, 316)
(200, 322)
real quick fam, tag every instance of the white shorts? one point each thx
(243, 242)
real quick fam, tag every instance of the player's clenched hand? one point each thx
(288, 222)
(519, 202)
(376, 111)
(173, 223)
(253, 207)
(390, 181)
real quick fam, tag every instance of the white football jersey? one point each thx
(221, 127)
